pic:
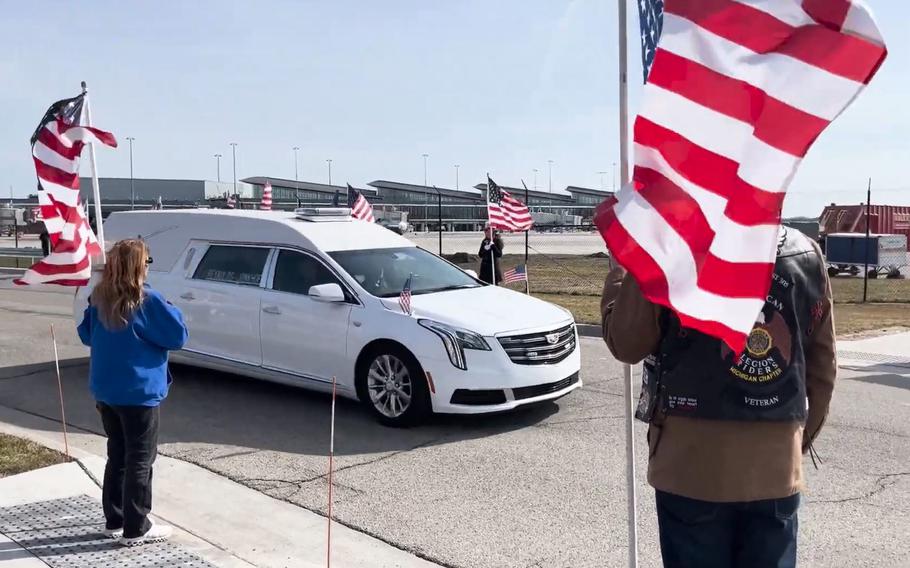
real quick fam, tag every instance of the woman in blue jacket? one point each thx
(130, 329)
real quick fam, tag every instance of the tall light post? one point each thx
(218, 166)
(132, 187)
(234, 154)
(602, 186)
(614, 177)
(550, 169)
(296, 183)
(535, 179)
(329, 162)
(426, 195)
(456, 176)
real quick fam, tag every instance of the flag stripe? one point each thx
(56, 175)
(715, 173)
(758, 31)
(52, 141)
(774, 122)
(832, 13)
(817, 92)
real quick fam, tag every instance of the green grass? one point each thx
(18, 456)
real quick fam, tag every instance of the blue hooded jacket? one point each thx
(129, 365)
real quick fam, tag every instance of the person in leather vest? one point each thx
(727, 433)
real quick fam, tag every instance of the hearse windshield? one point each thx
(383, 272)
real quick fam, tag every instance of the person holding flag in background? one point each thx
(731, 313)
(490, 250)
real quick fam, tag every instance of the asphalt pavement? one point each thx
(542, 487)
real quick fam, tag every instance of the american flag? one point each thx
(230, 203)
(404, 299)
(737, 93)
(517, 274)
(504, 211)
(56, 147)
(360, 207)
(651, 18)
(266, 203)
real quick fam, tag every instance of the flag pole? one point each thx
(96, 188)
(492, 234)
(328, 547)
(66, 444)
(628, 400)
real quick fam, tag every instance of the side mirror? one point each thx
(471, 273)
(327, 293)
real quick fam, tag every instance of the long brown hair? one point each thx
(119, 293)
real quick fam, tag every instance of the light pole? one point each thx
(329, 162)
(602, 187)
(234, 154)
(218, 166)
(426, 195)
(550, 169)
(535, 179)
(296, 183)
(132, 187)
(456, 176)
(614, 177)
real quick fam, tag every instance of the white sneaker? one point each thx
(112, 533)
(156, 533)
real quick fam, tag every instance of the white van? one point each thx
(301, 297)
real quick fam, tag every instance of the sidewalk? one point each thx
(217, 522)
(890, 351)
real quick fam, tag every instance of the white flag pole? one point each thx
(328, 546)
(96, 188)
(490, 225)
(628, 400)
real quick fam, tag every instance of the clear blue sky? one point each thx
(493, 86)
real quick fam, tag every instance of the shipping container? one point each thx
(883, 219)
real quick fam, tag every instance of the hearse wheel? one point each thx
(391, 384)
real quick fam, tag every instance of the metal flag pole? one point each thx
(328, 546)
(628, 400)
(492, 235)
(96, 188)
(527, 231)
(66, 444)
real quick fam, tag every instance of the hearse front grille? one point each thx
(542, 348)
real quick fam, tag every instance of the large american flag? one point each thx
(504, 211)
(360, 207)
(56, 147)
(737, 93)
(265, 204)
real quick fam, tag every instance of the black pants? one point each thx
(699, 534)
(132, 444)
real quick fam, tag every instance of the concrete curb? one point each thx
(588, 330)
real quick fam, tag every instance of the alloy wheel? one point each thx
(389, 386)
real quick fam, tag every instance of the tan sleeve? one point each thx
(821, 362)
(631, 324)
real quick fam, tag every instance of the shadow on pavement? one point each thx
(210, 407)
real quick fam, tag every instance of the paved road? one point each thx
(539, 488)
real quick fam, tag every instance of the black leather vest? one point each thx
(696, 375)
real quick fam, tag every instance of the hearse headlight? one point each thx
(456, 340)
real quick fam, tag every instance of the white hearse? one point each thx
(301, 297)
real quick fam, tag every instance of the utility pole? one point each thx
(296, 182)
(426, 195)
(535, 179)
(218, 166)
(550, 170)
(614, 177)
(234, 153)
(456, 176)
(868, 226)
(602, 187)
(132, 187)
(329, 162)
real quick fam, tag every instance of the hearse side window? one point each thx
(296, 273)
(234, 265)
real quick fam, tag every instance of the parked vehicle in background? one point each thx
(851, 252)
(302, 297)
(883, 220)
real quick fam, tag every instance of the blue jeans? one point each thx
(701, 534)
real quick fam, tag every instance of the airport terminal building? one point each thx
(462, 209)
